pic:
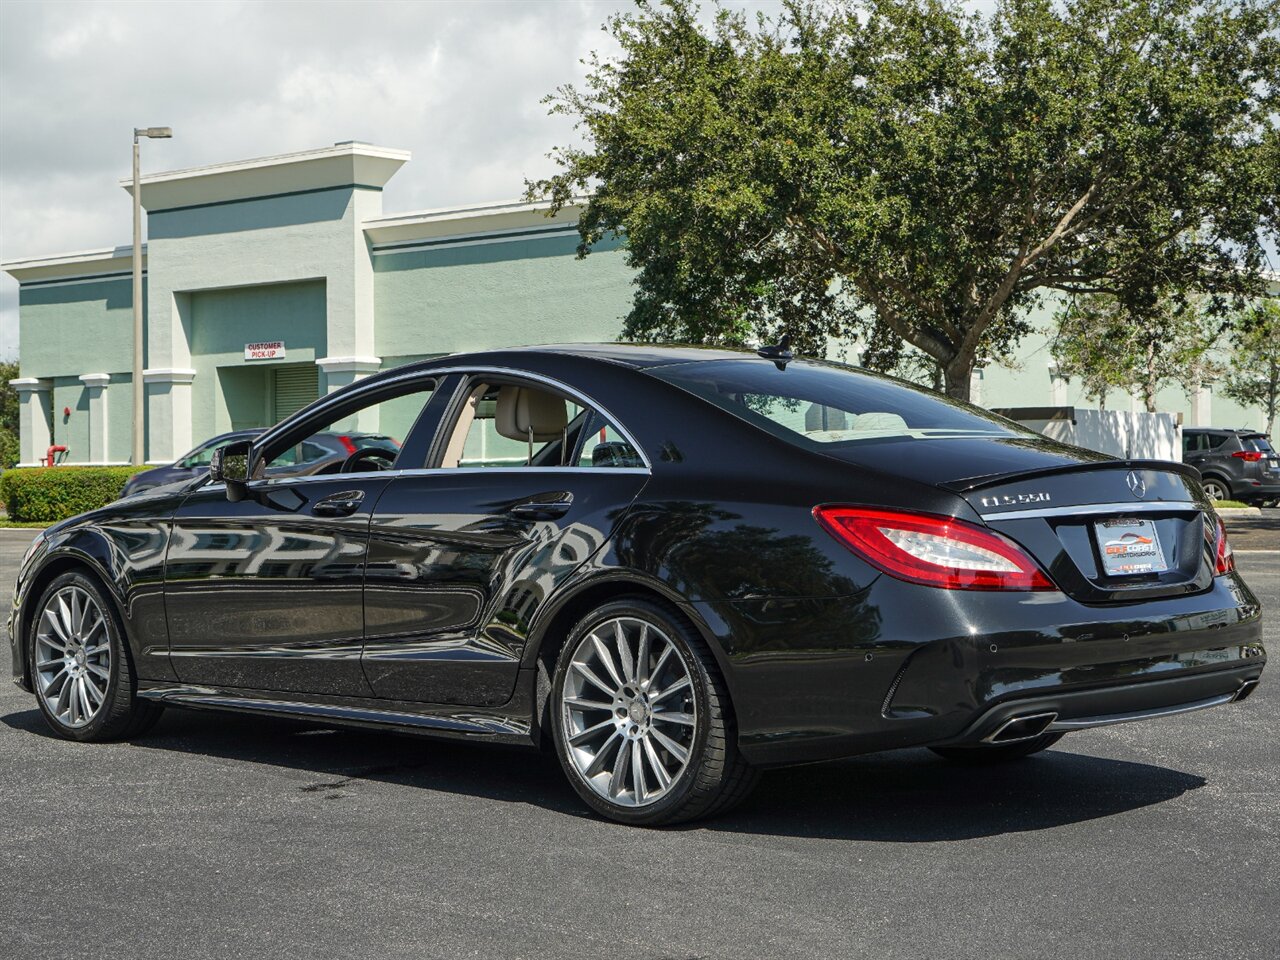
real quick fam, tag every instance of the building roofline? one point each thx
(83, 263)
(348, 163)
(499, 216)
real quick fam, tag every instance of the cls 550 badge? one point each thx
(1014, 499)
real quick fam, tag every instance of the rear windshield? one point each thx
(1259, 444)
(830, 404)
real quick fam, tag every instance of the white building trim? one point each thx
(332, 365)
(346, 163)
(168, 375)
(475, 221)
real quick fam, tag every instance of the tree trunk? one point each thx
(958, 376)
(1149, 384)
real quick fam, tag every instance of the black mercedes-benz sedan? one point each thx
(674, 566)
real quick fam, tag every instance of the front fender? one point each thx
(126, 556)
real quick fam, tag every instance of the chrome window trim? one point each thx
(1087, 508)
(437, 471)
(437, 373)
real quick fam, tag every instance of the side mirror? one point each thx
(230, 465)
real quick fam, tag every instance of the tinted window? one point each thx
(513, 425)
(1258, 444)
(827, 403)
(603, 445)
(202, 456)
(380, 421)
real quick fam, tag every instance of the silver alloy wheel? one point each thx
(629, 712)
(73, 656)
(1215, 491)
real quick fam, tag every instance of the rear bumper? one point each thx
(1068, 710)
(906, 666)
(1255, 490)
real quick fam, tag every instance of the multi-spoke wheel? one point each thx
(79, 666)
(73, 656)
(1215, 489)
(641, 718)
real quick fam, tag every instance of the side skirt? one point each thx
(510, 723)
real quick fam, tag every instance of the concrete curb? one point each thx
(1239, 511)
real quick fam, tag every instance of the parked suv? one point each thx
(1233, 464)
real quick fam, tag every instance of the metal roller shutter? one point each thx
(296, 386)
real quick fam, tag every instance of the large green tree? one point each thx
(912, 173)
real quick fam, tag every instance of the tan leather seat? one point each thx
(531, 415)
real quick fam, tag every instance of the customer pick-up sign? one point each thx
(268, 350)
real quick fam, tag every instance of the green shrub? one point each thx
(10, 449)
(49, 494)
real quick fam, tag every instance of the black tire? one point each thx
(982, 753)
(1216, 489)
(122, 713)
(715, 777)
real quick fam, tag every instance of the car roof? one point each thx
(637, 356)
(1238, 431)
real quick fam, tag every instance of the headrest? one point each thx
(878, 420)
(520, 410)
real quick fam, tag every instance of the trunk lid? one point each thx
(1105, 530)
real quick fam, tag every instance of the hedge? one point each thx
(50, 494)
(9, 448)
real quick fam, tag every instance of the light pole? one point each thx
(139, 396)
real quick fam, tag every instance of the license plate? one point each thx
(1129, 547)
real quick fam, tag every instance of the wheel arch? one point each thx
(71, 560)
(1213, 475)
(552, 629)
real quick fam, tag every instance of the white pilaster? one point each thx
(1202, 406)
(168, 413)
(342, 371)
(95, 385)
(1057, 385)
(35, 418)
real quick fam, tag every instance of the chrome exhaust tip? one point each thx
(1021, 728)
(1245, 690)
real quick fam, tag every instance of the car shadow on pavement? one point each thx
(912, 796)
(906, 796)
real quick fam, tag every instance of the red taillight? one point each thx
(936, 551)
(1225, 558)
(347, 444)
(1252, 456)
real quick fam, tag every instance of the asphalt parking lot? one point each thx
(221, 836)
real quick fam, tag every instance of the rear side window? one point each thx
(823, 404)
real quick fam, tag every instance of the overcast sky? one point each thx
(456, 83)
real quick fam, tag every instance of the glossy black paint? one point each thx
(434, 604)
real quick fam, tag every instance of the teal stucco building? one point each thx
(269, 282)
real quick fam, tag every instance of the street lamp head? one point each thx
(155, 133)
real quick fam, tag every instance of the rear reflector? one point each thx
(936, 551)
(1225, 559)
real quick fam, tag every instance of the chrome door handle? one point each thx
(339, 504)
(540, 509)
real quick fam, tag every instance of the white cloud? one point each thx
(457, 83)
